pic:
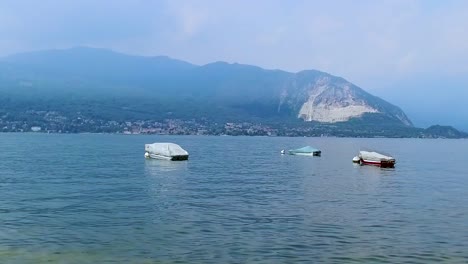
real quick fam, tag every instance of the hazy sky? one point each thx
(412, 53)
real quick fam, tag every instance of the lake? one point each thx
(89, 198)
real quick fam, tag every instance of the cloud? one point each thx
(380, 45)
(351, 38)
(189, 17)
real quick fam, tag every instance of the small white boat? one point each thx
(165, 151)
(305, 151)
(376, 159)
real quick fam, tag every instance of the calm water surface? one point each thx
(95, 199)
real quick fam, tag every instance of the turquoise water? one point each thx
(95, 199)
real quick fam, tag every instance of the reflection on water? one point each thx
(376, 170)
(163, 178)
(157, 167)
(95, 199)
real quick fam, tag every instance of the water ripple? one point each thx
(95, 199)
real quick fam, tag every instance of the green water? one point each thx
(95, 199)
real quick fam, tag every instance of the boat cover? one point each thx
(165, 149)
(307, 149)
(374, 156)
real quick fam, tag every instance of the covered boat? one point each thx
(305, 151)
(376, 158)
(166, 151)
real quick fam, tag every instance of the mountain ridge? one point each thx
(233, 90)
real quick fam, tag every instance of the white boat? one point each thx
(165, 151)
(305, 151)
(376, 159)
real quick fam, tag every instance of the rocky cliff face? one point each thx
(328, 103)
(321, 97)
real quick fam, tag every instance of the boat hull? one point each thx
(181, 157)
(305, 151)
(174, 158)
(305, 154)
(382, 163)
(376, 159)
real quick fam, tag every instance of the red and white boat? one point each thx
(374, 158)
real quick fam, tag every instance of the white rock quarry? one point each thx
(331, 114)
(332, 103)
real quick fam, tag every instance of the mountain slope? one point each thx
(161, 87)
(322, 97)
(439, 131)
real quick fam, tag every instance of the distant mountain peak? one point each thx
(81, 53)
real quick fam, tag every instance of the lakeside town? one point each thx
(55, 122)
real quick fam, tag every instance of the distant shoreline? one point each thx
(208, 135)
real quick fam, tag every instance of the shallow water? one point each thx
(94, 199)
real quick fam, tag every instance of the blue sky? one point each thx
(412, 53)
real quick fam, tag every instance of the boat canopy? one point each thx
(307, 149)
(373, 155)
(165, 149)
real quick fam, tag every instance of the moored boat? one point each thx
(376, 159)
(165, 151)
(305, 151)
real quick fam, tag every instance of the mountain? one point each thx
(96, 63)
(438, 131)
(111, 85)
(325, 98)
